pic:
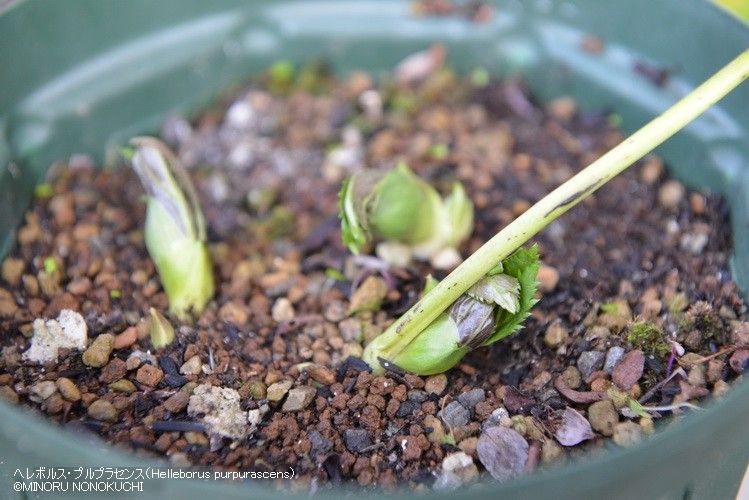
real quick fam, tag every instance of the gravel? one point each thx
(103, 411)
(219, 409)
(319, 444)
(278, 390)
(457, 469)
(149, 375)
(69, 330)
(503, 452)
(177, 402)
(572, 377)
(299, 398)
(113, 371)
(406, 408)
(572, 428)
(97, 355)
(589, 362)
(629, 370)
(627, 434)
(613, 356)
(369, 295)
(123, 385)
(455, 415)
(471, 398)
(42, 390)
(192, 366)
(282, 310)
(555, 335)
(321, 374)
(68, 389)
(671, 194)
(436, 384)
(357, 440)
(603, 417)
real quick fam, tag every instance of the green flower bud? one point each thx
(402, 207)
(175, 228)
(396, 205)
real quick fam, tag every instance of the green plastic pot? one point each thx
(85, 75)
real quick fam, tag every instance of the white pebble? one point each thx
(69, 330)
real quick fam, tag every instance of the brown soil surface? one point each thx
(639, 264)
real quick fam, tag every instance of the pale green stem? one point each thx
(566, 196)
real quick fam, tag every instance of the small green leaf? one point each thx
(403, 207)
(448, 439)
(500, 289)
(522, 265)
(479, 77)
(43, 191)
(281, 76)
(610, 307)
(127, 153)
(282, 71)
(439, 151)
(614, 120)
(354, 235)
(637, 408)
(50, 265)
(335, 274)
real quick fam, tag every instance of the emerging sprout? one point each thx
(44, 191)
(398, 207)
(281, 76)
(490, 310)
(160, 330)
(50, 265)
(175, 228)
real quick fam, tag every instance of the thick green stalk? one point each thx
(559, 201)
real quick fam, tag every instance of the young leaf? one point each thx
(637, 408)
(522, 265)
(354, 235)
(500, 289)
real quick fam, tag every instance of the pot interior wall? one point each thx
(100, 72)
